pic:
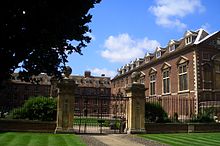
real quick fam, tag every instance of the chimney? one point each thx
(87, 74)
(103, 75)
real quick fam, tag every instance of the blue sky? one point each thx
(123, 30)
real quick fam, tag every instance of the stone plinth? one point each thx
(65, 106)
(136, 108)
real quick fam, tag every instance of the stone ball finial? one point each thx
(67, 71)
(135, 76)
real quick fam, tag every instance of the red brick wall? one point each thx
(23, 125)
(173, 73)
(180, 128)
(174, 102)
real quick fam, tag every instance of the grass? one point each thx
(185, 139)
(39, 139)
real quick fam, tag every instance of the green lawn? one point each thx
(185, 139)
(39, 139)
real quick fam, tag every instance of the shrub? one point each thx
(206, 116)
(36, 108)
(18, 113)
(155, 113)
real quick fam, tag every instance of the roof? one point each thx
(199, 36)
(205, 38)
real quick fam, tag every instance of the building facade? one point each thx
(92, 92)
(184, 76)
(14, 92)
(92, 97)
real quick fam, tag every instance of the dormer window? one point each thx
(158, 54)
(128, 68)
(123, 70)
(147, 59)
(133, 66)
(172, 48)
(191, 36)
(188, 40)
(172, 45)
(137, 63)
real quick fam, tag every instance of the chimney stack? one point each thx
(87, 74)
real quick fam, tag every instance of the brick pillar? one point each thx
(136, 108)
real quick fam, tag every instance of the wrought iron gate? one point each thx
(100, 114)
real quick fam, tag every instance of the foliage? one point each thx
(206, 115)
(36, 108)
(155, 113)
(32, 32)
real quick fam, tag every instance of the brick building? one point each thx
(14, 92)
(184, 76)
(90, 89)
(93, 93)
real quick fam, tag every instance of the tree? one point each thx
(36, 35)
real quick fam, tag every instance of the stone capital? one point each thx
(135, 89)
(66, 86)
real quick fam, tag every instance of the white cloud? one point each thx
(169, 12)
(123, 48)
(99, 72)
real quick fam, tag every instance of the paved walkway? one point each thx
(118, 140)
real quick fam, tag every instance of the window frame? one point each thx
(158, 54)
(152, 83)
(181, 82)
(172, 48)
(217, 67)
(217, 73)
(204, 57)
(207, 77)
(166, 79)
(188, 40)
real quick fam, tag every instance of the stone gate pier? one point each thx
(136, 107)
(65, 104)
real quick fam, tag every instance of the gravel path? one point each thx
(118, 140)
